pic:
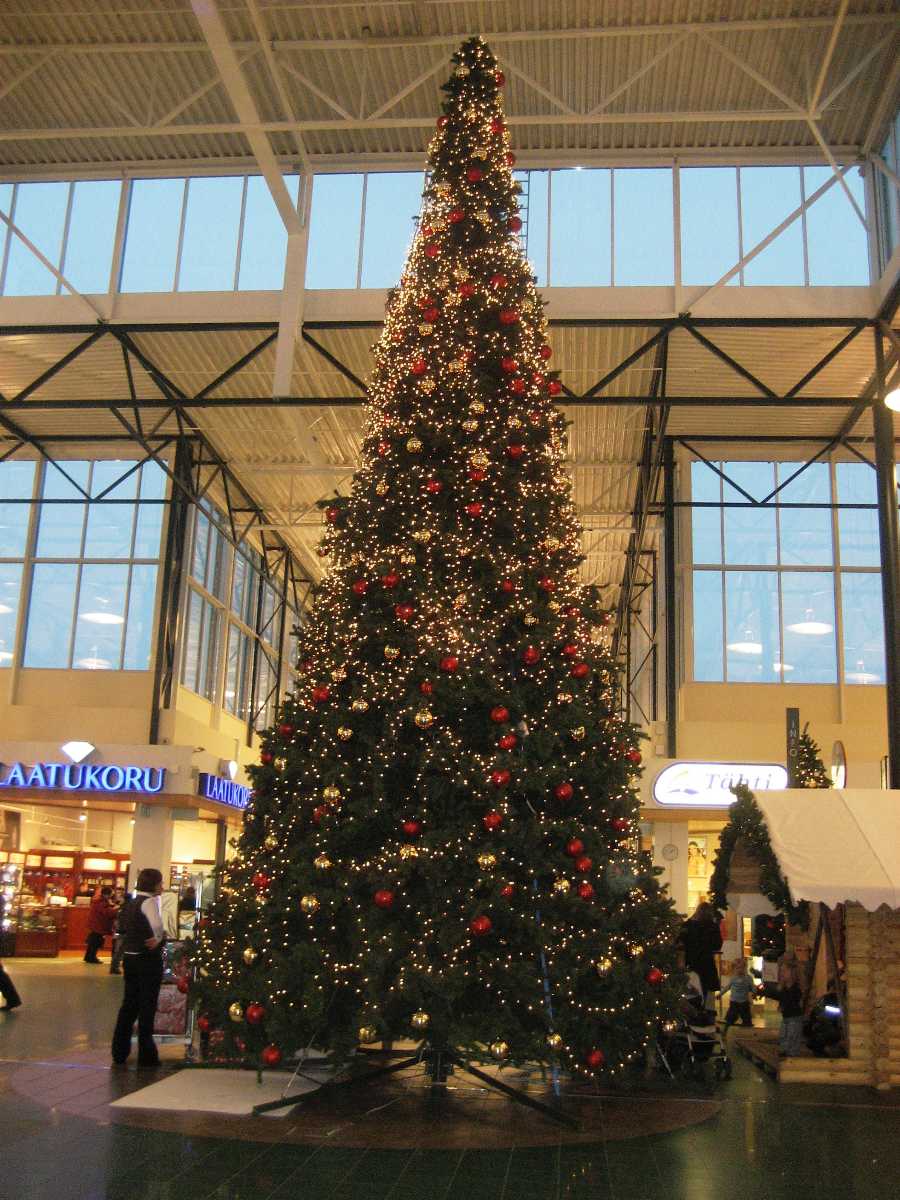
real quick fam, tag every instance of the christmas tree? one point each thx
(443, 842)
(809, 770)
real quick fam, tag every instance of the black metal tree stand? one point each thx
(440, 1062)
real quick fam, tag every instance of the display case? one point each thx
(37, 929)
(10, 886)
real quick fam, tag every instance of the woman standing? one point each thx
(702, 941)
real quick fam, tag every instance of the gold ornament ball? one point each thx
(408, 851)
(481, 151)
(422, 535)
(480, 459)
(280, 764)
(236, 1012)
(424, 718)
(339, 674)
(359, 705)
(460, 601)
(477, 407)
(427, 386)
(554, 1041)
(637, 951)
(382, 488)
(470, 425)
(420, 1020)
(442, 281)
(331, 792)
(414, 446)
(408, 559)
(514, 423)
(577, 733)
(344, 732)
(562, 887)
(367, 1034)
(529, 619)
(564, 698)
(322, 862)
(249, 956)
(554, 606)
(442, 188)
(499, 1051)
(391, 653)
(455, 366)
(553, 543)
(309, 904)
(460, 273)
(426, 329)
(487, 860)
(271, 841)
(439, 223)
(483, 216)
(603, 966)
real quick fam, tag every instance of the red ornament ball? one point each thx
(575, 847)
(260, 881)
(359, 587)
(475, 509)
(477, 475)
(431, 314)
(580, 670)
(384, 898)
(531, 655)
(449, 663)
(474, 174)
(654, 976)
(412, 828)
(563, 792)
(442, 122)
(497, 125)
(480, 926)
(509, 741)
(583, 864)
(492, 820)
(507, 586)
(321, 693)
(517, 386)
(332, 514)
(538, 377)
(586, 890)
(271, 1056)
(285, 729)
(499, 78)
(204, 1024)
(509, 316)
(507, 891)
(500, 778)
(498, 281)
(390, 580)
(265, 758)
(255, 1014)
(404, 612)
(509, 365)
(511, 159)
(183, 985)
(633, 756)
(383, 448)
(425, 302)
(426, 687)
(547, 584)
(318, 813)
(455, 215)
(554, 387)
(419, 366)
(499, 714)
(570, 650)
(514, 224)
(466, 290)
(595, 1059)
(621, 824)
(434, 487)
(432, 250)
(545, 352)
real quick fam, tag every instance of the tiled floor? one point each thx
(748, 1138)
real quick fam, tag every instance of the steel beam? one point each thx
(889, 540)
(165, 666)
(671, 636)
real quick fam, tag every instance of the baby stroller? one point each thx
(693, 1040)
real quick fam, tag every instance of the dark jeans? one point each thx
(738, 1009)
(8, 990)
(143, 976)
(92, 945)
(115, 960)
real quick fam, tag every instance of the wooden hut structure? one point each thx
(830, 860)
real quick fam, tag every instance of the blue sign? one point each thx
(224, 791)
(84, 777)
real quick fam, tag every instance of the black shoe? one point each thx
(92, 962)
(148, 1064)
(10, 1006)
(120, 1062)
(114, 971)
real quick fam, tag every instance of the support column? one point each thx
(671, 635)
(151, 842)
(889, 538)
(672, 837)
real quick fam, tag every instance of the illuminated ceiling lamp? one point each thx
(892, 399)
(810, 627)
(748, 646)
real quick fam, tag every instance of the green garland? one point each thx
(746, 822)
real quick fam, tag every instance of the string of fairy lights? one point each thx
(444, 824)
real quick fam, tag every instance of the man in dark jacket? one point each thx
(142, 961)
(8, 991)
(101, 918)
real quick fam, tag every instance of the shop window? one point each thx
(765, 591)
(93, 579)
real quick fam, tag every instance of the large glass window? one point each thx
(768, 579)
(710, 239)
(233, 625)
(642, 220)
(393, 200)
(581, 228)
(334, 232)
(93, 579)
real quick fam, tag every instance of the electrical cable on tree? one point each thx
(444, 831)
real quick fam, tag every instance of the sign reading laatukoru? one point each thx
(709, 784)
(82, 777)
(223, 791)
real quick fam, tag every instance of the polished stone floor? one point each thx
(748, 1138)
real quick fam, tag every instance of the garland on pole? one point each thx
(746, 823)
(809, 768)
